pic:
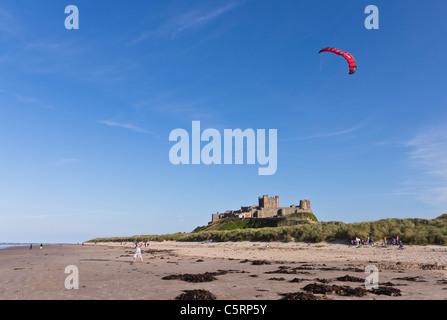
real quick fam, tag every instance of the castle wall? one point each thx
(215, 217)
(268, 207)
(267, 212)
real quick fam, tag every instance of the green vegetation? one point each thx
(304, 214)
(410, 231)
(236, 223)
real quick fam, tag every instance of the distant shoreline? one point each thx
(6, 245)
(13, 245)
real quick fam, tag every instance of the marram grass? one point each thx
(410, 231)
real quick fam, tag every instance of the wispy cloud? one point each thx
(429, 154)
(27, 99)
(191, 20)
(196, 108)
(8, 23)
(192, 108)
(430, 151)
(32, 100)
(330, 134)
(112, 123)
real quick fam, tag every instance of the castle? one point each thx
(266, 208)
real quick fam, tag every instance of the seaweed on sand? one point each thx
(299, 296)
(198, 294)
(200, 277)
(317, 288)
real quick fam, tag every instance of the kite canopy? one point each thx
(346, 55)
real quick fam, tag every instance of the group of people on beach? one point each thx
(370, 241)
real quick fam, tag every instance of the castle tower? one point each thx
(305, 204)
(266, 202)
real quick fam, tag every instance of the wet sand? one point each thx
(239, 271)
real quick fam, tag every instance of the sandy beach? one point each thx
(233, 271)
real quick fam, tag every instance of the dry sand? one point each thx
(106, 271)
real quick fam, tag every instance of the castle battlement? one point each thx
(266, 208)
(266, 202)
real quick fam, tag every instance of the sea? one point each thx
(4, 245)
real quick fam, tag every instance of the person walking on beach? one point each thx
(137, 254)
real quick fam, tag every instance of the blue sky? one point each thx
(86, 114)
